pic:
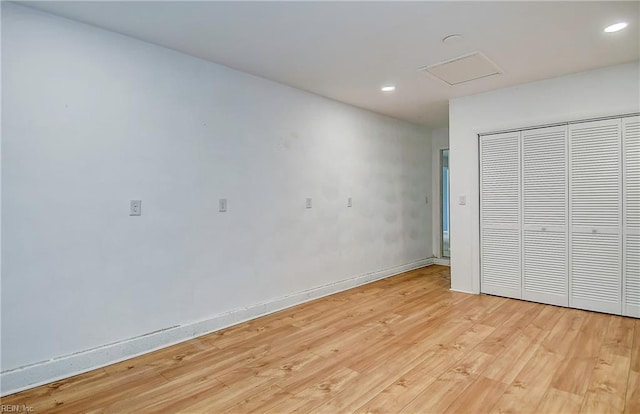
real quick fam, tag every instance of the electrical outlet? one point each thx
(349, 202)
(223, 205)
(462, 200)
(308, 203)
(135, 208)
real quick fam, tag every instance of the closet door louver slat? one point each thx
(595, 174)
(545, 267)
(596, 270)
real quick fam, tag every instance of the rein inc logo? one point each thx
(16, 408)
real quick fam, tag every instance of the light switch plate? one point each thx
(462, 200)
(308, 204)
(223, 205)
(349, 202)
(135, 208)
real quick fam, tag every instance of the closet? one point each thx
(560, 215)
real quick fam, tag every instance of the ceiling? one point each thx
(348, 50)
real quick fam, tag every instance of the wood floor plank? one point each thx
(479, 397)
(503, 336)
(450, 385)
(366, 386)
(49, 395)
(619, 337)
(320, 392)
(243, 386)
(632, 399)
(556, 401)
(548, 317)
(111, 390)
(438, 396)
(607, 388)
(168, 397)
(635, 349)
(576, 370)
(514, 357)
(529, 387)
(380, 375)
(452, 347)
(561, 337)
(260, 402)
(398, 395)
(401, 344)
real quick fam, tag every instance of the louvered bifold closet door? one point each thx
(545, 216)
(631, 216)
(500, 255)
(595, 193)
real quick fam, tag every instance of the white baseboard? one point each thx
(441, 261)
(44, 372)
(463, 291)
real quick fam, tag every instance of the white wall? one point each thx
(93, 119)
(609, 91)
(1, 157)
(439, 141)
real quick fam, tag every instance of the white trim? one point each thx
(44, 372)
(441, 261)
(436, 194)
(628, 309)
(631, 310)
(596, 305)
(463, 291)
(546, 298)
(555, 124)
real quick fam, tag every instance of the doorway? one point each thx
(444, 196)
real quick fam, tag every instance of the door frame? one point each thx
(441, 202)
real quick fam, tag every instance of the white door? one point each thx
(500, 248)
(595, 196)
(545, 216)
(631, 251)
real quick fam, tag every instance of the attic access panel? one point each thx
(463, 69)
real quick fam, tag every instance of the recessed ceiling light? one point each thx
(615, 27)
(388, 88)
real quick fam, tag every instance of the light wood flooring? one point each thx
(405, 344)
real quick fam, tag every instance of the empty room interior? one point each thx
(317, 206)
